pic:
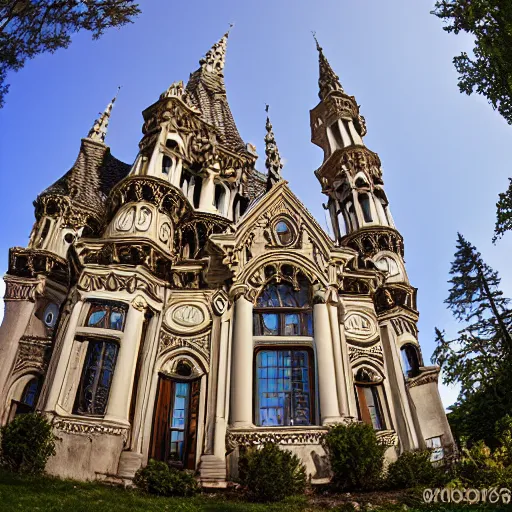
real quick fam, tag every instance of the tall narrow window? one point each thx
(220, 198)
(197, 191)
(410, 360)
(166, 164)
(369, 403)
(94, 387)
(364, 201)
(44, 232)
(284, 388)
(338, 139)
(351, 215)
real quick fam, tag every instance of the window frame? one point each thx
(311, 376)
(87, 342)
(109, 305)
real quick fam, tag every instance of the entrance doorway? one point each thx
(174, 436)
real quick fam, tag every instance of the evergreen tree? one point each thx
(489, 70)
(503, 213)
(480, 358)
(31, 27)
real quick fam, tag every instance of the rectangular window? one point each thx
(284, 394)
(179, 416)
(283, 324)
(94, 387)
(370, 410)
(106, 316)
(434, 444)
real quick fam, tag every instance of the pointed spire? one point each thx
(273, 162)
(99, 129)
(214, 60)
(328, 80)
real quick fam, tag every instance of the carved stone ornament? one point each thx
(387, 437)
(187, 317)
(360, 326)
(113, 282)
(290, 436)
(140, 303)
(369, 242)
(426, 376)
(35, 262)
(33, 353)
(20, 289)
(75, 426)
(220, 302)
(372, 353)
(201, 344)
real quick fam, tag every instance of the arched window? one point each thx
(410, 360)
(370, 397)
(28, 400)
(282, 310)
(364, 201)
(284, 378)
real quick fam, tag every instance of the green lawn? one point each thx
(45, 494)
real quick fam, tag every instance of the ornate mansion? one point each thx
(187, 306)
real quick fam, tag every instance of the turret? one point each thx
(351, 174)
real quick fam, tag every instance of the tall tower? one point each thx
(351, 174)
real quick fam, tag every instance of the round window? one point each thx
(284, 233)
(50, 315)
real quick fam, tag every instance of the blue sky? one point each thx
(445, 156)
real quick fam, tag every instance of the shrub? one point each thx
(271, 474)
(356, 456)
(27, 443)
(479, 467)
(161, 479)
(413, 469)
(164, 480)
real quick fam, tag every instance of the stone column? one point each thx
(242, 359)
(329, 408)
(219, 446)
(338, 360)
(207, 193)
(57, 379)
(355, 136)
(122, 381)
(19, 307)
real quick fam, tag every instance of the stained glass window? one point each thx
(179, 414)
(282, 310)
(106, 316)
(283, 388)
(94, 387)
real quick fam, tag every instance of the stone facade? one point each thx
(187, 306)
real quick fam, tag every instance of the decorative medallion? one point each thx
(220, 302)
(188, 317)
(165, 232)
(126, 219)
(360, 327)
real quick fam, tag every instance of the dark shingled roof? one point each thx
(91, 178)
(207, 92)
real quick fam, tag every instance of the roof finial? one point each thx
(328, 80)
(215, 58)
(273, 162)
(99, 128)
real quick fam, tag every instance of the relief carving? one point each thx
(201, 344)
(360, 326)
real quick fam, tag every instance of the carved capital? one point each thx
(20, 289)
(140, 303)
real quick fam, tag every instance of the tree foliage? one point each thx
(489, 70)
(31, 27)
(480, 357)
(476, 300)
